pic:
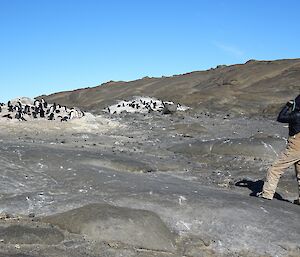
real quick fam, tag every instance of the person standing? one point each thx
(290, 114)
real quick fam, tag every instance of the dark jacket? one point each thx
(292, 118)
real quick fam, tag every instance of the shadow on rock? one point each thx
(256, 187)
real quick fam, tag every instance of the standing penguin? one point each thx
(10, 106)
(42, 112)
(27, 109)
(36, 103)
(44, 103)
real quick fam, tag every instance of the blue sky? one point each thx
(48, 46)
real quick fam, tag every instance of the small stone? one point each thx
(31, 215)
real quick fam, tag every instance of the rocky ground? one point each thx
(144, 185)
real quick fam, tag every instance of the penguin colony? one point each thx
(144, 105)
(39, 109)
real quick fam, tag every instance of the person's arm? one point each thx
(285, 116)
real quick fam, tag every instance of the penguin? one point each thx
(73, 114)
(108, 109)
(10, 108)
(51, 109)
(0, 108)
(34, 115)
(36, 103)
(7, 116)
(51, 116)
(27, 109)
(42, 113)
(64, 119)
(18, 115)
(44, 103)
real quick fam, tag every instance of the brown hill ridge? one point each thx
(256, 87)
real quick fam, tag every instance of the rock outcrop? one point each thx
(266, 148)
(103, 222)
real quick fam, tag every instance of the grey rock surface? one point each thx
(268, 148)
(19, 234)
(203, 197)
(103, 222)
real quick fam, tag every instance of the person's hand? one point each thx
(290, 103)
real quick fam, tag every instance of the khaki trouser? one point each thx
(291, 156)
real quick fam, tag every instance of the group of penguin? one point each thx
(38, 109)
(142, 105)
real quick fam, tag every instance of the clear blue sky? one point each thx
(48, 46)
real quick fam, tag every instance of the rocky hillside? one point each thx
(256, 87)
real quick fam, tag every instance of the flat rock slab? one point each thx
(19, 234)
(267, 148)
(103, 222)
(120, 164)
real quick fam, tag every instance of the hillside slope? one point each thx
(255, 87)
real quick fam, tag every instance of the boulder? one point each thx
(169, 108)
(104, 222)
